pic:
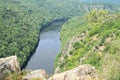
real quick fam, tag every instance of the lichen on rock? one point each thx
(83, 72)
(8, 65)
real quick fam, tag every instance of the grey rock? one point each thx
(83, 72)
(37, 75)
(8, 65)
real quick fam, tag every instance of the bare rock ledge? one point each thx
(82, 72)
(37, 74)
(8, 65)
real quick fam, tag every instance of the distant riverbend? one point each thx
(47, 49)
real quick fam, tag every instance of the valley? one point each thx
(48, 48)
(60, 35)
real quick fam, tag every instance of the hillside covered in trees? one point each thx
(90, 36)
(93, 39)
(21, 20)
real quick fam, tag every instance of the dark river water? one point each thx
(47, 50)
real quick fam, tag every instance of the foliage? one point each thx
(21, 21)
(101, 52)
(15, 75)
(97, 16)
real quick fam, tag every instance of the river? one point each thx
(48, 48)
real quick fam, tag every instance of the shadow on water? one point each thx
(48, 47)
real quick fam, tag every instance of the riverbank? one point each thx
(48, 27)
(11, 71)
(92, 42)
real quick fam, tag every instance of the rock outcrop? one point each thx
(38, 74)
(8, 65)
(83, 72)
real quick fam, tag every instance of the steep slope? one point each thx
(10, 70)
(93, 41)
(21, 20)
(20, 23)
(103, 1)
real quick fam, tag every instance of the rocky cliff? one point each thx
(10, 64)
(82, 72)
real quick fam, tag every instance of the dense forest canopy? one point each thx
(94, 41)
(103, 1)
(90, 36)
(21, 20)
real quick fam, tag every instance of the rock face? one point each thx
(83, 72)
(69, 47)
(37, 75)
(8, 65)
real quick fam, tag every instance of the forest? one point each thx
(95, 40)
(21, 21)
(92, 31)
